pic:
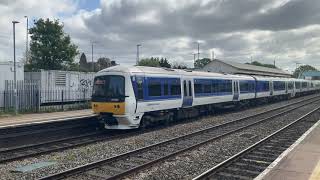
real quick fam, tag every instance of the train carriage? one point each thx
(131, 97)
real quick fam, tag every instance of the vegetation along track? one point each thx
(31, 150)
(250, 162)
(130, 162)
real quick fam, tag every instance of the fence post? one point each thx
(62, 99)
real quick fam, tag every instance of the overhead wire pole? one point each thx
(27, 39)
(138, 58)
(14, 68)
(92, 64)
(198, 50)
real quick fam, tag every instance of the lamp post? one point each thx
(92, 64)
(14, 67)
(137, 61)
(198, 49)
(27, 39)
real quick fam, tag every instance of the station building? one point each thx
(310, 75)
(230, 67)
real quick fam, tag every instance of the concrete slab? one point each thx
(37, 118)
(32, 167)
(300, 161)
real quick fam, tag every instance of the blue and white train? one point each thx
(133, 97)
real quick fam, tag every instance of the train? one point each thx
(130, 97)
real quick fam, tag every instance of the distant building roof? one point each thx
(310, 75)
(252, 68)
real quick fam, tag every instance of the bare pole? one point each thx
(198, 50)
(138, 58)
(27, 39)
(92, 65)
(14, 68)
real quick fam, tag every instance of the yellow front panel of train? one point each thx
(109, 107)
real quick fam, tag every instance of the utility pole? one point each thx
(92, 64)
(27, 39)
(212, 54)
(138, 58)
(14, 68)
(194, 59)
(198, 50)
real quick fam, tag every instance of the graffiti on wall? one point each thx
(86, 83)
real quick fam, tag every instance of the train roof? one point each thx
(168, 71)
(178, 72)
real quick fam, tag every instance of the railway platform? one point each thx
(300, 162)
(41, 118)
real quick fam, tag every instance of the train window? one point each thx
(290, 85)
(175, 87)
(185, 88)
(140, 88)
(190, 90)
(244, 86)
(228, 86)
(304, 84)
(197, 87)
(215, 86)
(279, 85)
(207, 88)
(154, 88)
(298, 84)
(109, 88)
(262, 86)
(165, 88)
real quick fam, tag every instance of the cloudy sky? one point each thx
(287, 31)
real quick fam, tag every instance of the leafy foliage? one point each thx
(155, 62)
(50, 47)
(179, 65)
(301, 69)
(256, 63)
(200, 63)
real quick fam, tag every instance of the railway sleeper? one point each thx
(227, 176)
(242, 172)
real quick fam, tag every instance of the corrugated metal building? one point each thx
(6, 73)
(74, 85)
(239, 68)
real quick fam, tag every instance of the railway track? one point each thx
(130, 162)
(13, 136)
(31, 150)
(250, 162)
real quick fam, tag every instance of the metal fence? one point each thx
(30, 98)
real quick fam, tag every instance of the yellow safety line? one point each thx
(316, 172)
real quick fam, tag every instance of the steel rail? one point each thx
(42, 148)
(210, 172)
(97, 164)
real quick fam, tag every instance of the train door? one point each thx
(235, 90)
(271, 87)
(187, 93)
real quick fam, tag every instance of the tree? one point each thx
(103, 63)
(50, 47)
(153, 62)
(256, 63)
(179, 65)
(164, 63)
(83, 63)
(301, 69)
(200, 63)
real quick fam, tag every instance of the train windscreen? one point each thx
(109, 88)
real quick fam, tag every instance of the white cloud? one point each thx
(236, 30)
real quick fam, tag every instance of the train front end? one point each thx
(113, 100)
